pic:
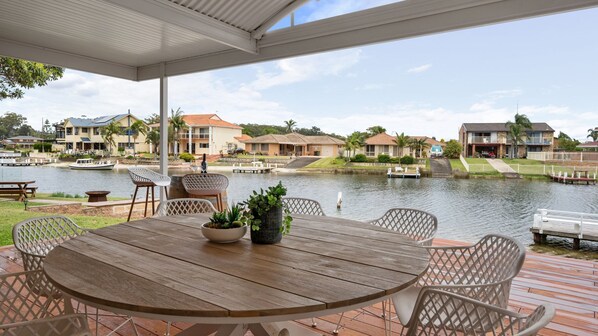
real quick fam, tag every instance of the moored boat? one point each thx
(90, 164)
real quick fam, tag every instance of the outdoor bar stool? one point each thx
(146, 178)
(206, 185)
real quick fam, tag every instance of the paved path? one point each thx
(441, 167)
(503, 168)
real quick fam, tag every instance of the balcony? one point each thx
(483, 140)
(538, 142)
(195, 136)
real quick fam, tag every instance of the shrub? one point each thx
(452, 149)
(395, 160)
(407, 159)
(187, 157)
(47, 147)
(360, 158)
(121, 149)
(383, 158)
(130, 157)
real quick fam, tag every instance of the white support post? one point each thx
(190, 140)
(163, 126)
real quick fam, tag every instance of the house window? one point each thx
(370, 150)
(96, 131)
(125, 145)
(84, 130)
(384, 149)
(76, 130)
(204, 133)
(204, 145)
(264, 147)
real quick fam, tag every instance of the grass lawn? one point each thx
(477, 161)
(522, 162)
(456, 164)
(328, 163)
(12, 212)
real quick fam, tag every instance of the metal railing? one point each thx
(484, 139)
(564, 156)
(574, 220)
(195, 136)
(538, 141)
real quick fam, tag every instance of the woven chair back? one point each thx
(303, 206)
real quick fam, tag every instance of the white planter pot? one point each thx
(223, 235)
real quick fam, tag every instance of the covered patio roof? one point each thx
(146, 39)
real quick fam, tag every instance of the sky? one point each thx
(545, 68)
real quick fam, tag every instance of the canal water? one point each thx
(466, 209)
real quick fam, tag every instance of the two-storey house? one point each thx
(493, 139)
(85, 134)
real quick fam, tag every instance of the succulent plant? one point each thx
(232, 217)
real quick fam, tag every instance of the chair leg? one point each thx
(313, 322)
(153, 202)
(146, 200)
(338, 324)
(132, 203)
(166, 192)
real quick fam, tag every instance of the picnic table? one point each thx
(18, 188)
(163, 268)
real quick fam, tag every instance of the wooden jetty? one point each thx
(403, 173)
(22, 163)
(577, 177)
(576, 225)
(257, 167)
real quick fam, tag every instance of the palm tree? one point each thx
(153, 138)
(402, 141)
(178, 123)
(376, 130)
(593, 133)
(517, 131)
(290, 125)
(354, 141)
(419, 144)
(109, 132)
(135, 129)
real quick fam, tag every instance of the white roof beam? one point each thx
(67, 60)
(177, 15)
(391, 22)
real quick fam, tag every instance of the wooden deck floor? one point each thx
(570, 285)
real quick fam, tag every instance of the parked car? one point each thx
(436, 151)
(236, 151)
(485, 154)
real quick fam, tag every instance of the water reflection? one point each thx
(466, 209)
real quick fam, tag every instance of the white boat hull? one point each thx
(107, 166)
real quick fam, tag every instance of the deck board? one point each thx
(569, 284)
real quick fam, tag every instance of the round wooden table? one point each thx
(164, 268)
(97, 196)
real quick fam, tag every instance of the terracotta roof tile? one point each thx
(208, 120)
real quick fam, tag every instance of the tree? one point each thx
(402, 141)
(376, 130)
(354, 141)
(453, 149)
(290, 125)
(566, 143)
(178, 123)
(109, 132)
(16, 75)
(593, 133)
(153, 138)
(11, 124)
(135, 129)
(153, 119)
(419, 144)
(517, 131)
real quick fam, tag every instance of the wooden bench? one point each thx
(19, 189)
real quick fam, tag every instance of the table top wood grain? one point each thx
(165, 267)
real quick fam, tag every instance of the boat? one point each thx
(90, 164)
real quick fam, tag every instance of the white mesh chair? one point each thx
(43, 312)
(206, 185)
(303, 206)
(483, 271)
(34, 238)
(183, 206)
(146, 178)
(418, 225)
(443, 313)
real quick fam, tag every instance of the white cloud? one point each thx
(299, 69)
(420, 69)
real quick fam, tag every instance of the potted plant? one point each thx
(226, 226)
(268, 223)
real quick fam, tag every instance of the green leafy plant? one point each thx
(261, 203)
(187, 157)
(232, 217)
